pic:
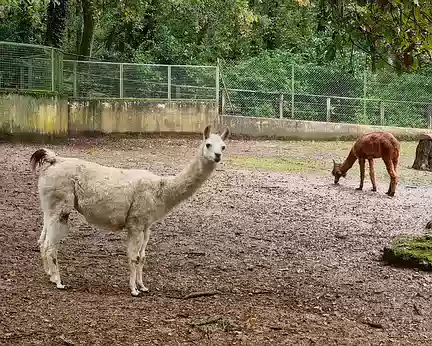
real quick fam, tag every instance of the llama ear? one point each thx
(207, 132)
(334, 162)
(225, 134)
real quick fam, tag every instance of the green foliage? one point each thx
(22, 21)
(200, 31)
(395, 32)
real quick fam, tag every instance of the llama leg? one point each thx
(372, 174)
(395, 164)
(396, 180)
(362, 162)
(41, 243)
(140, 266)
(135, 239)
(56, 230)
(393, 176)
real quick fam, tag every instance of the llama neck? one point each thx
(187, 182)
(349, 161)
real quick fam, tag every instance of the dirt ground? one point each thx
(295, 260)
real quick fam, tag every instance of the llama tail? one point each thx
(41, 156)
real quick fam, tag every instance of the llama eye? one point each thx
(223, 148)
(208, 145)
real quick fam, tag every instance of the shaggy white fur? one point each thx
(115, 199)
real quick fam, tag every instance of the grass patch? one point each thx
(410, 251)
(279, 164)
(316, 157)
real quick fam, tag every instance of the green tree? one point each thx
(391, 32)
(56, 22)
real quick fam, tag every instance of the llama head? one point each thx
(336, 172)
(214, 144)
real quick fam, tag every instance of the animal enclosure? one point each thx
(285, 256)
(276, 88)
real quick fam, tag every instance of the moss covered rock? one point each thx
(410, 251)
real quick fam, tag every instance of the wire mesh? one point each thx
(310, 92)
(30, 67)
(145, 81)
(388, 85)
(148, 81)
(193, 82)
(91, 79)
(252, 88)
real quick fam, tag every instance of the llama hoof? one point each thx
(359, 188)
(374, 189)
(60, 286)
(143, 289)
(135, 293)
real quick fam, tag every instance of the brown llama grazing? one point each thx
(372, 146)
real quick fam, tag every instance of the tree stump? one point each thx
(423, 158)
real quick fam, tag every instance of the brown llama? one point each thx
(372, 146)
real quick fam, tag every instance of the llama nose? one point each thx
(217, 157)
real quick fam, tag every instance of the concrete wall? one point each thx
(33, 113)
(49, 115)
(256, 127)
(139, 116)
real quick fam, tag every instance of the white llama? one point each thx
(115, 199)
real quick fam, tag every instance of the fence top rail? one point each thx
(138, 99)
(136, 64)
(330, 96)
(367, 99)
(27, 45)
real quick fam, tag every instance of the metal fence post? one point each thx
(292, 91)
(61, 69)
(75, 86)
(429, 115)
(222, 102)
(52, 71)
(169, 84)
(281, 100)
(30, 74)
(328, 116)
(217, 86)
(364, 93)
(382, 120)
(121, 81)
(21, 83)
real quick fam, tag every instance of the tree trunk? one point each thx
(423, 159)
(78, 9)
(56, 23)
(88, 29)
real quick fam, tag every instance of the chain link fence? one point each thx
(310, 92)
(95, 79)
(30, 67)
(254, 87)
(38, 68)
